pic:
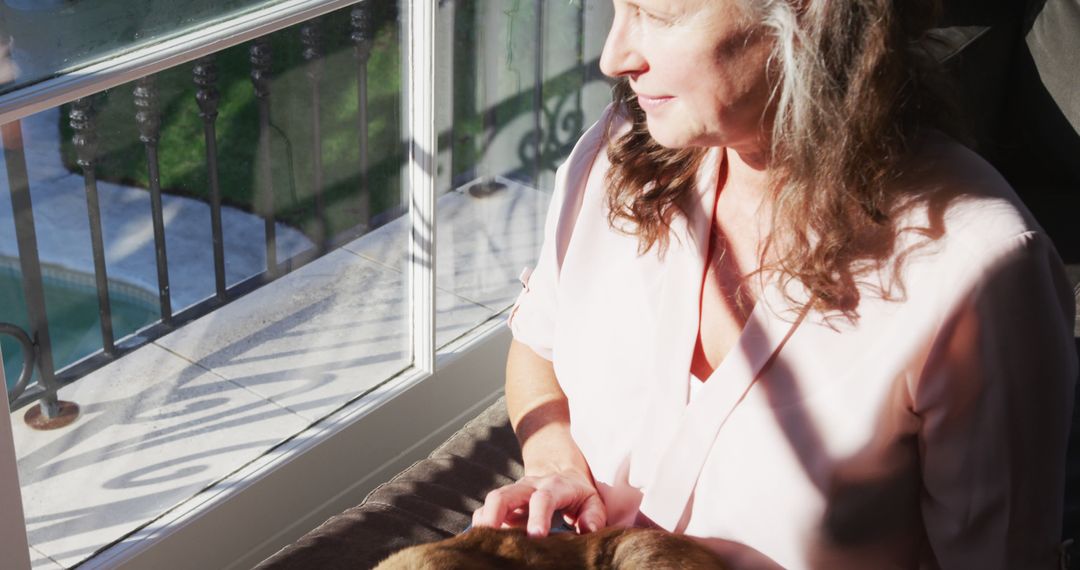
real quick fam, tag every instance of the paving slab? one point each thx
(154, 430)
(319, 336)
(39, 561)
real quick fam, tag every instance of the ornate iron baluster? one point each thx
(465, 155)
(208, 97)
(148, 119)
(538, 90)
(447, 12)
(29, 355)
(585, 70)
(362, 36)
(310, 38)
(51, 413)
(260, 56)
(85, 140)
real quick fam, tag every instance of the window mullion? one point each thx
(421, 144)
(15, 551)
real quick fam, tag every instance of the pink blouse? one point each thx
(929, 433)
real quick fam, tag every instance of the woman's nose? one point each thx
(621, 56)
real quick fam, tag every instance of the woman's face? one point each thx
(698, 68)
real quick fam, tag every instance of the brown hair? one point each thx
(852, 89)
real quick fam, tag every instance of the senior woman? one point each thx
(779, 310)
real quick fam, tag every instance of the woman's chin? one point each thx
(668, 138)
(673, 136)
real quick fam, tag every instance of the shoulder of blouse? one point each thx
(953, 195)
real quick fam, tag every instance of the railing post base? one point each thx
(65, 414)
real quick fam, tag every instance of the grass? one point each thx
(182, 148)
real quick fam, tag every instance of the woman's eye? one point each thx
(651, 17)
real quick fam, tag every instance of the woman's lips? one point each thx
(653, 102)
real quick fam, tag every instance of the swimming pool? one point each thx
(72, 309)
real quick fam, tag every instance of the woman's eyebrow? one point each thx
(651, 8)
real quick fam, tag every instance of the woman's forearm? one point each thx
(557, 478)
(539, 414)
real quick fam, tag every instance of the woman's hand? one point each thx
(557, 477)
(535, 499)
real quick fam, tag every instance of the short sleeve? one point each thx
(532, 318)
(995, 400)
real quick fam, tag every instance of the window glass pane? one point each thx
(295, 317)
(50, 37)
(519, 80)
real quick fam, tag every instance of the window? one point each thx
(343, 254)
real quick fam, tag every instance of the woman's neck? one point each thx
(747, 176)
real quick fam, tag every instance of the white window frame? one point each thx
(14, 548)
(247, 516)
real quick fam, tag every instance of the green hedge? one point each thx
(183, 166)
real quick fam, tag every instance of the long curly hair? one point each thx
(852, 90)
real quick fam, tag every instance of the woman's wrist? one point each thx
(551, 450)
(540, 415)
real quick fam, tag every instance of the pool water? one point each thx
(72, 308)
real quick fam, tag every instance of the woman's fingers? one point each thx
(579, 503)
(516, 518)
(592, 516)
(536, 499)
(478, 517)
(501, 502)
(541, 508)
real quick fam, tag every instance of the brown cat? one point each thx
(610, 548)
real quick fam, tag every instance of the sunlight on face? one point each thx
(698, 68)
